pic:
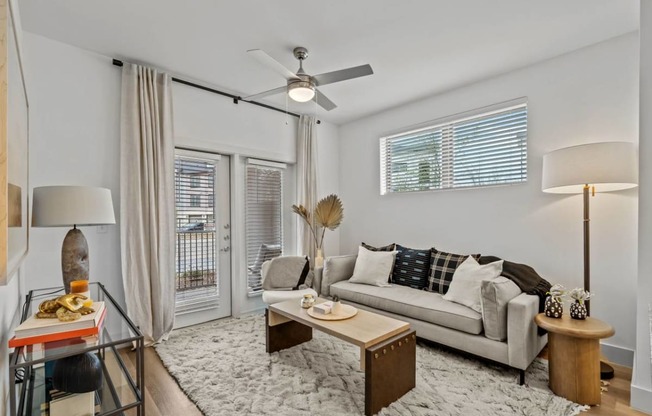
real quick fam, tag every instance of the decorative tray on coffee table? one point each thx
(344, 312)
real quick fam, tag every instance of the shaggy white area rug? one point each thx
(222, 366)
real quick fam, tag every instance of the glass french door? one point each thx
(203, 237)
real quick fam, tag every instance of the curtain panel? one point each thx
(307, 180)
(147, 200)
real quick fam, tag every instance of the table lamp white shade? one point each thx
(59, 206)
(609, 166)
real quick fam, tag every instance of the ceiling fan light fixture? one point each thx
(301, 91)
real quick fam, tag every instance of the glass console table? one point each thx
(30, 366)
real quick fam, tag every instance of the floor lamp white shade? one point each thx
(60, 206)
(64, 206)
(608, 166)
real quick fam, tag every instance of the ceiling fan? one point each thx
(302, 87)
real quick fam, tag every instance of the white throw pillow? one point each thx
(373, 267)
(467, 280)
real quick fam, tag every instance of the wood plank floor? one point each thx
(164, 397)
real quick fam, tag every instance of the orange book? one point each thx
(58, 336)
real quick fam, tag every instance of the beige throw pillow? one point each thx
(465, 286)
(495, 294)
(373, 267)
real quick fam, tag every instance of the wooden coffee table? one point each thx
(574, 356)
(387, 347)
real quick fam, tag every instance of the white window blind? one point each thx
(263, 218)
(467, 151)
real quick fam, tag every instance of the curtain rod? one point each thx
(236, 99)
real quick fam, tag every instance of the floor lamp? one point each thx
(587, 169)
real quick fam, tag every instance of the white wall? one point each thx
(642, 376)
(74, 133)
(75, 118)
(585, 96)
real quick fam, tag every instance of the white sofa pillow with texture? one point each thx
(467, 280)
(373, 267)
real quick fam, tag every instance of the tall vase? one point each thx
(319, 258)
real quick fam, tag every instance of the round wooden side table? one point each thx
(574, 356)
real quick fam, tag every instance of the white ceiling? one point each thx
(417, 48)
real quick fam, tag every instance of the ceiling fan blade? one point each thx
(323, 101)
(266, 93)
(343, 74)
(262, 57)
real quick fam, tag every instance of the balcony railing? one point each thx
(195, 257)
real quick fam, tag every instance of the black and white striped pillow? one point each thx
(411, 267)
(442, 269)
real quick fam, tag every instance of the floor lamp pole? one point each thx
(587, 248)
(606, 371)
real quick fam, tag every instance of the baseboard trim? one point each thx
(641, 399)
(618, 355)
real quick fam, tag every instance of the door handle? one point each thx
(225, 249)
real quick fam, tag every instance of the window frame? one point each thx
(444, 128)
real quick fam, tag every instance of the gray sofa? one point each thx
(505, 332)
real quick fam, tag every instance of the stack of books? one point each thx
(36, 331)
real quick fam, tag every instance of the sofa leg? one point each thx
(521, 377)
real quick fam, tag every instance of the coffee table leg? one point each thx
(282, 333)
(390, 371)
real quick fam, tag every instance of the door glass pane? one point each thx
(196, 262)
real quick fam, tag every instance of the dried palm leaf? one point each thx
(301, 211)
(329, 212)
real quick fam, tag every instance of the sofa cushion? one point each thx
(411, 267)
(373, 267)
(416, 304)
(465, 286)
(336, 268)
(442, 269)
(495, 294)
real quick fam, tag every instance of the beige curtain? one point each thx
(147, 200)
(307, 179)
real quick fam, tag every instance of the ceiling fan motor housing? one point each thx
(300, 53)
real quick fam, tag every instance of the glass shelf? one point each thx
(119, 391)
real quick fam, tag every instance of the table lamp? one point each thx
(64, 206)
(590, 168)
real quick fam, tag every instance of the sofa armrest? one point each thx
(336, 269)
(522, 339)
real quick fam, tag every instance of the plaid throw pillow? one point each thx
(389, 247)
(442, 268)
(411, 267)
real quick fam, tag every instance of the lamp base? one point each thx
(74, 257)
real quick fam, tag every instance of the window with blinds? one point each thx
(263, 217)
(472, 150)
